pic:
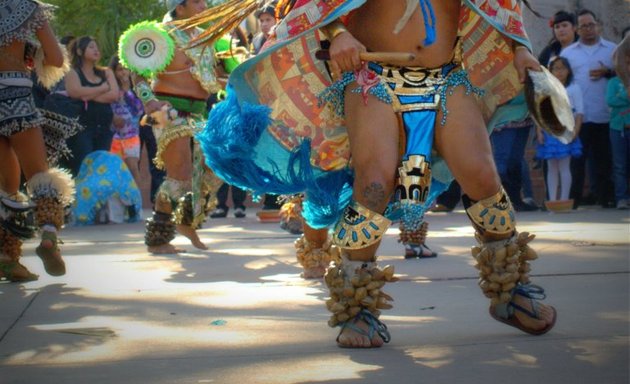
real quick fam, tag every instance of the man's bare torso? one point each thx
(180, 81)
(374, 22)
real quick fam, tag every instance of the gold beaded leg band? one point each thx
(315, 260)
(503, 257)
(359, 227)
(492, 218)
(356, 295)
(52, 191)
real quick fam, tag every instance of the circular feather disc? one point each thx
(146, 48)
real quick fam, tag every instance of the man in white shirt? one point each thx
(591, 61)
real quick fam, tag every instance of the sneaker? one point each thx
(530, 201)
(239, 212)
(623, 204)
(522, 207)
(219, 213)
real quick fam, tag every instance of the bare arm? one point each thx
(344, 48)
(77, 91)
(52, 52)
(524, 60)
(113, 93)
(150, 103)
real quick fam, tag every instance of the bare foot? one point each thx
(164, 249)
(546, 314)
(191, 234)
(349, 338)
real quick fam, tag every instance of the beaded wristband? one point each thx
(144, 92)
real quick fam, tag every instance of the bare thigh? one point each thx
(464, 144)
(31, 151)
(373, 133)
(178, 159)
(10, 174)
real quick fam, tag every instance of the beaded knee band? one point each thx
(356, 286)
(359, 227)
(493, 218)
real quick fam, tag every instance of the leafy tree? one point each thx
(103, 20)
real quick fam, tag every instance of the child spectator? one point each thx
(126, 121)
(557, 154)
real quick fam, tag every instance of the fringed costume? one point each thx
(50, 191)
(147, 49)
(281, 130)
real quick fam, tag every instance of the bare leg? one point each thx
(31, 152)
(133, 164)
(373, 133)
(10, 175)
(464, 144)
(10, 245)
(178, 159)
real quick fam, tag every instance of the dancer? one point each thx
(174, 83)
(430, 93)
(27, 136)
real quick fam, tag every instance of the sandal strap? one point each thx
(52, 236)
(374, 325)
(529, 291)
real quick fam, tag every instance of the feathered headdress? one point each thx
(222, 19)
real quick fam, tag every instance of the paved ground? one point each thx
(240, 313)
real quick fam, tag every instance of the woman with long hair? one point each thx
(97, 88)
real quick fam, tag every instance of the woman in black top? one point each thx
(96, 87)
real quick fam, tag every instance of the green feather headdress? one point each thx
(146, 48)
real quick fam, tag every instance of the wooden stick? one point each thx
(386, 57)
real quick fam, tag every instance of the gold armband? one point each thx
(334, 29)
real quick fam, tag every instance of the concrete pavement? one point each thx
(240, 313)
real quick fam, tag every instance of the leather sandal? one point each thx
(51, 256)
(15, 272)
